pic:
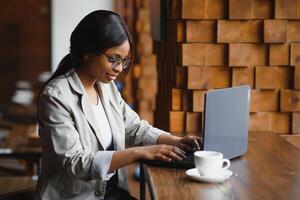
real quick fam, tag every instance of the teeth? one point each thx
(112, 76)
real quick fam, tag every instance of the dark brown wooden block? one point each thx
(148, 116)
(243, 76)
(239, 31)
(240, 9)
(262, 9)
(250, 9)
(290, 100)
(264, 101)
(145, 44)
(247, 54)
(177, 121)
(279, 54)
(208, 77)
(293, 30)
(296, 123)
(191, 54)
(193, 122)
(280, 123)
(270, 121)
(272, 77)
(201, 31)
(239, 54)
(216, 55)
(295, 54)
(297, 78)
(259, 54)
(215, 9)
(193, 9)
(275, 31)
(198, 100)
(286, 9)
(259, 122)
(201, 9)
(187, 100)
(181, 77)
(176, 99)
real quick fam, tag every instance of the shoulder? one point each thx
(55, 96)
(56, 87)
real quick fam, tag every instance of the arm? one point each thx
(187, 143)
(59, 137)
(153, 152)
(137, 132)
(140, 132)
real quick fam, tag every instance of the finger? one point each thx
(177, 150)
(197, 137)
(163, 158)
(200, 141)
(180, 152)
(182, 146)
(174, 155)
(170, 151)
(196, 143)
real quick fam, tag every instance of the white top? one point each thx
(102, 159)
(106, 135)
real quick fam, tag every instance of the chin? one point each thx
(105, 80)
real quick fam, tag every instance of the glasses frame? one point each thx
(124, 61)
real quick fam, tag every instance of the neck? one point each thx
(86, 80)
(88, 85)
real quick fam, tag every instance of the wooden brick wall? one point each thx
(141, 81)
(24, 43)
(214, 44)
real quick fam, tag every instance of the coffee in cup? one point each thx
(210, 163)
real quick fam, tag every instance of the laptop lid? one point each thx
(226, 116)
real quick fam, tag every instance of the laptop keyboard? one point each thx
(186, 163)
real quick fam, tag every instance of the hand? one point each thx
(190, 143)
(161, 152)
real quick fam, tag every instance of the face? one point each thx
(100, 68)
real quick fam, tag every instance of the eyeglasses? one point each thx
(116, 61)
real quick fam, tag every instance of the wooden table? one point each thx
(19, 147)
(269, 170)
(22, 187)
(30, 154)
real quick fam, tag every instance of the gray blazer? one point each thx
(70, 137)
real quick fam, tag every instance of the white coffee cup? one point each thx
(210, 163)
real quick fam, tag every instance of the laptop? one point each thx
(226, 116)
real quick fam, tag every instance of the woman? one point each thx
(84, 123)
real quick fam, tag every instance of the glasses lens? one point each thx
(126, 63)
(116, 62)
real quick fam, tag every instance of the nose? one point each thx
(118, 68)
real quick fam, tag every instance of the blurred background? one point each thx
(184, 48)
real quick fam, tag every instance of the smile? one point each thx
(112, 76)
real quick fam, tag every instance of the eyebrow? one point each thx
(118, 55)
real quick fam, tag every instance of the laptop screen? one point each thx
(226, 116)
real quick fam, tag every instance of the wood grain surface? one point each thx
(269, 170)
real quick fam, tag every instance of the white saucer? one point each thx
(194, 174)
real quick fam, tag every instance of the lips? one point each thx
(112, 76)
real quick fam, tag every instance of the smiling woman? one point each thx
(106, 66)
(84, 124)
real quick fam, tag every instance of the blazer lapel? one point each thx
(85, 104)
(90, 116)
(111, 119)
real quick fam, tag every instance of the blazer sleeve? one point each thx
(137, 131)
(59, 137)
